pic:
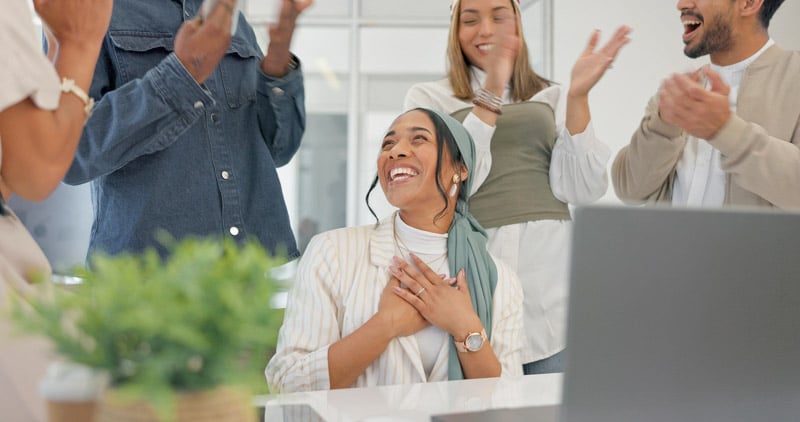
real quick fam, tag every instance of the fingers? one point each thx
(427, 272)
(717, 84)
(412, 298)
(592, 44)
(683, 85)
(191, 26)
(220, 14)
(300, 6)
(410, 276)
(221, 10)
(461, 281)
(615, 44)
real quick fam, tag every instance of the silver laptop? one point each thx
(679, 315)
(683, 315)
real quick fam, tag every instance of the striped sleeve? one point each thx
(310, 323)
(507, 323)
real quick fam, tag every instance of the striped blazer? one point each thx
(339, 283)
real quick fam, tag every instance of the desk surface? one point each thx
(418, 402)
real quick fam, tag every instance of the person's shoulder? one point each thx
(551, 95)
(440, 86)
(344, 234)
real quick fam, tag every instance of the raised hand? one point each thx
(444, 303)
(82, 23)
(593, 63)
(503, 56)
(685, 102)
(405, 320)
(201, 43)
(276, 62)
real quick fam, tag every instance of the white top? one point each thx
(578, 163)
(700, 180)
(432, 249)
(25, 73)
(338, 286)
(536, 250)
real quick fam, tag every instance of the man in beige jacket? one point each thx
(727, 134)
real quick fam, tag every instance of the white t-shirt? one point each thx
(25, 73)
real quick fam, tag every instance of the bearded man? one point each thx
(728, 133)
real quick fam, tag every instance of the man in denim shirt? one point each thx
(190, 126)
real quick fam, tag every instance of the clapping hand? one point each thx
(503, 56)
(593, 62)
(275, 63)
(82, 23)
(201, 43)
(404, 319)
(444, 303)
(685, 102)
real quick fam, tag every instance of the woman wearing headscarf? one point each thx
(43, 107)
(536, 153)
(414, 298)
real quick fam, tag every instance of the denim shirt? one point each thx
(165, 153)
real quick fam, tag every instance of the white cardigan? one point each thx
(339, 283)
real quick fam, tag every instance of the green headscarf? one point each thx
(466, 245)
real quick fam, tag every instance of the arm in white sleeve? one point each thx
(310, 325)
(578, 165)
(482, 135)
(507, 325)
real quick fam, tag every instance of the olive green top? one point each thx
(517, 189)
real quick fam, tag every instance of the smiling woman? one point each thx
(413, 298)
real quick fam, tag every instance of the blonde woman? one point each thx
(536, 153)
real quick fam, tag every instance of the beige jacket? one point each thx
(759, 144)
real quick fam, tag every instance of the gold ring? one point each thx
(420, 292)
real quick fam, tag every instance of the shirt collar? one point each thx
(732, 74)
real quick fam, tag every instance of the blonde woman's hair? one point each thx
(525, 83)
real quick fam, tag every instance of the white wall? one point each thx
(656, 50)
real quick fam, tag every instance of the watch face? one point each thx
(474, 342)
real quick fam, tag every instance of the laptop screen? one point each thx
(683, 315)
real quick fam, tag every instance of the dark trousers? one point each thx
(547, 365)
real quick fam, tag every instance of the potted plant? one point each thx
(178, 337)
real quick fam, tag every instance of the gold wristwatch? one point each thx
(472, 343)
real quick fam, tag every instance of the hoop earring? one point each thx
(454, 188)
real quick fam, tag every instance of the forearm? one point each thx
(578, 113)
(480, 364)
(642, 169)
(352, 355)
(141, 117)
(760, 163)
(281, 114)
(578, 163)
(43, 142)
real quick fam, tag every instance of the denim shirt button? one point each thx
(234, 231)
(215, 118)
(277, 91)
(199, 104)
(226, 175)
